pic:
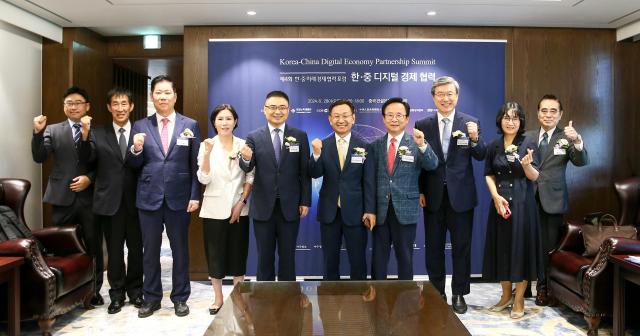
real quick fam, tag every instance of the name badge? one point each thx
(182, 142)
(511, 158)
(406, 158)
(463, 142)
(559, 151)
(294, 149)
(357, 159)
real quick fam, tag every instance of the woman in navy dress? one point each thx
(512, 245)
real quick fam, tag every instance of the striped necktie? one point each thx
(76, 134)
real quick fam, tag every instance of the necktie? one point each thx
(76, 134)
(164, 135)
(122, 141)
(446, 136)
(276, 144)
(544, 144)
(341, 152)
(391, 155)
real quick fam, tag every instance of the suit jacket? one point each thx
(224, 182)
(57, 140)
(113, 178)
(290, 178)
(457, 169)
(355, 183)
(552, 182)
(171, 176)
(402, 184)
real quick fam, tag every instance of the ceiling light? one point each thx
(251, 13)
(151, 42)
(431, 13)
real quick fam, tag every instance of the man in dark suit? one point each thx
(114, 202)
(69, 188)
(281, 187)
(348, 182)
(399, 160)
(448, 193)
(556, 148)
(168, 191)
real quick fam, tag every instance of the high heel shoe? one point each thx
(516, 315)
(499, 308)
(213, 311)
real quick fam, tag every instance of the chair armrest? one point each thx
(625, 246)
(572, 240)
(60, 240)
(28, 249)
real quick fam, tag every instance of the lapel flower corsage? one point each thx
(404, 150)
(511, 150)
(290, 141)
(458, 134)
(187, 133)
(233, 156)
(562, 143)
(359, 151)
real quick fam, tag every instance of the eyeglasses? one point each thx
(511, 119)
(441, 95)
(273, 108)
(395, 116)
(73, 104)
(341, 116)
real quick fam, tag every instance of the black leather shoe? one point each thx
(137, 302)
(458, 304)
(542, 297)
(147, 309)
(97, 300)
(115, 306)
(181, 308)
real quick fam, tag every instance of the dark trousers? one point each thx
(120, 229)
(355, 238)
(550, 230)
(402, 236)
(460, 227)
(151, 225)
(280, 233)
(226, 246)
(80, 213)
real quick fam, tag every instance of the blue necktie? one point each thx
(76, 134)
(276, 145)
(544, 144)
(446, 136)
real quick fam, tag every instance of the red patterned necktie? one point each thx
(391, 155)
(164, 135)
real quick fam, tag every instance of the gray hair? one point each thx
(444, 80)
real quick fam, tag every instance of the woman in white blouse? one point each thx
(224, 206)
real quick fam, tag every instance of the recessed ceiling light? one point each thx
(431, 13)
(251, 13)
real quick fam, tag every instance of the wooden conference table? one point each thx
(623, 271)
(10, 273)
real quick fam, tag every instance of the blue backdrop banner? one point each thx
(315, 73)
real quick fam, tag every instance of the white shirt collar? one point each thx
(549, 134)
(171, 117)
(271, 128)
(398, 138)
(71, 123)
(346, 138)
(127, 128)
(450, 117)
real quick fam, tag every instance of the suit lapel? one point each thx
(67, 136)
(403, 142)
(155, 131)
(353, 142)
(266, 138)
(332, 151)
(434, 129)
(112, 141)
(458, 124)
(177, 130)
(552, 141)
(284, 150)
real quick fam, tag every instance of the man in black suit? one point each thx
(69, 188)
(281, 187)
(114, 202)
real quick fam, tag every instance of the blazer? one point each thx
(552, 181)
(355, 183)
(57, 140)
(402, 185)
(457, 170)
(171, 177)
(290, 178)
(113, 178)
(225, 181)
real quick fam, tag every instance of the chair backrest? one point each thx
(628, 190)
(14, 194)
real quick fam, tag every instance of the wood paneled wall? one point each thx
(586, 68)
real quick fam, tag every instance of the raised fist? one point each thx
(39, 123)
(208, 146)
(317, 146)
(472, 130)
(246, 152)
(138, 141)
(86, 125)
(418, 137)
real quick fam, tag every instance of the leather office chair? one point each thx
(51, 284)
(585, 284)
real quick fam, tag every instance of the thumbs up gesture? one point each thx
(571, 132)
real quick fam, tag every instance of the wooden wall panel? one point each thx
(131, 47)
(627, 111)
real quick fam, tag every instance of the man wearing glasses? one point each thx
(281, 187)
(399, 159)
(348, 183)
(69, 188)
(448, 193)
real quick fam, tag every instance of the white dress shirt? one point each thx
(127, 130)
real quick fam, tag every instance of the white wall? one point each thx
(20, 101)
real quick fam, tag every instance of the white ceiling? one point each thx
(137, 17)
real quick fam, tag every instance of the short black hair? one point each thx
(390, 101)
(550, 96)
(217, 111)
(162, 78)
(76, 89)
(342, 102)
(117, 92)
(517, 110)
(277, 93)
